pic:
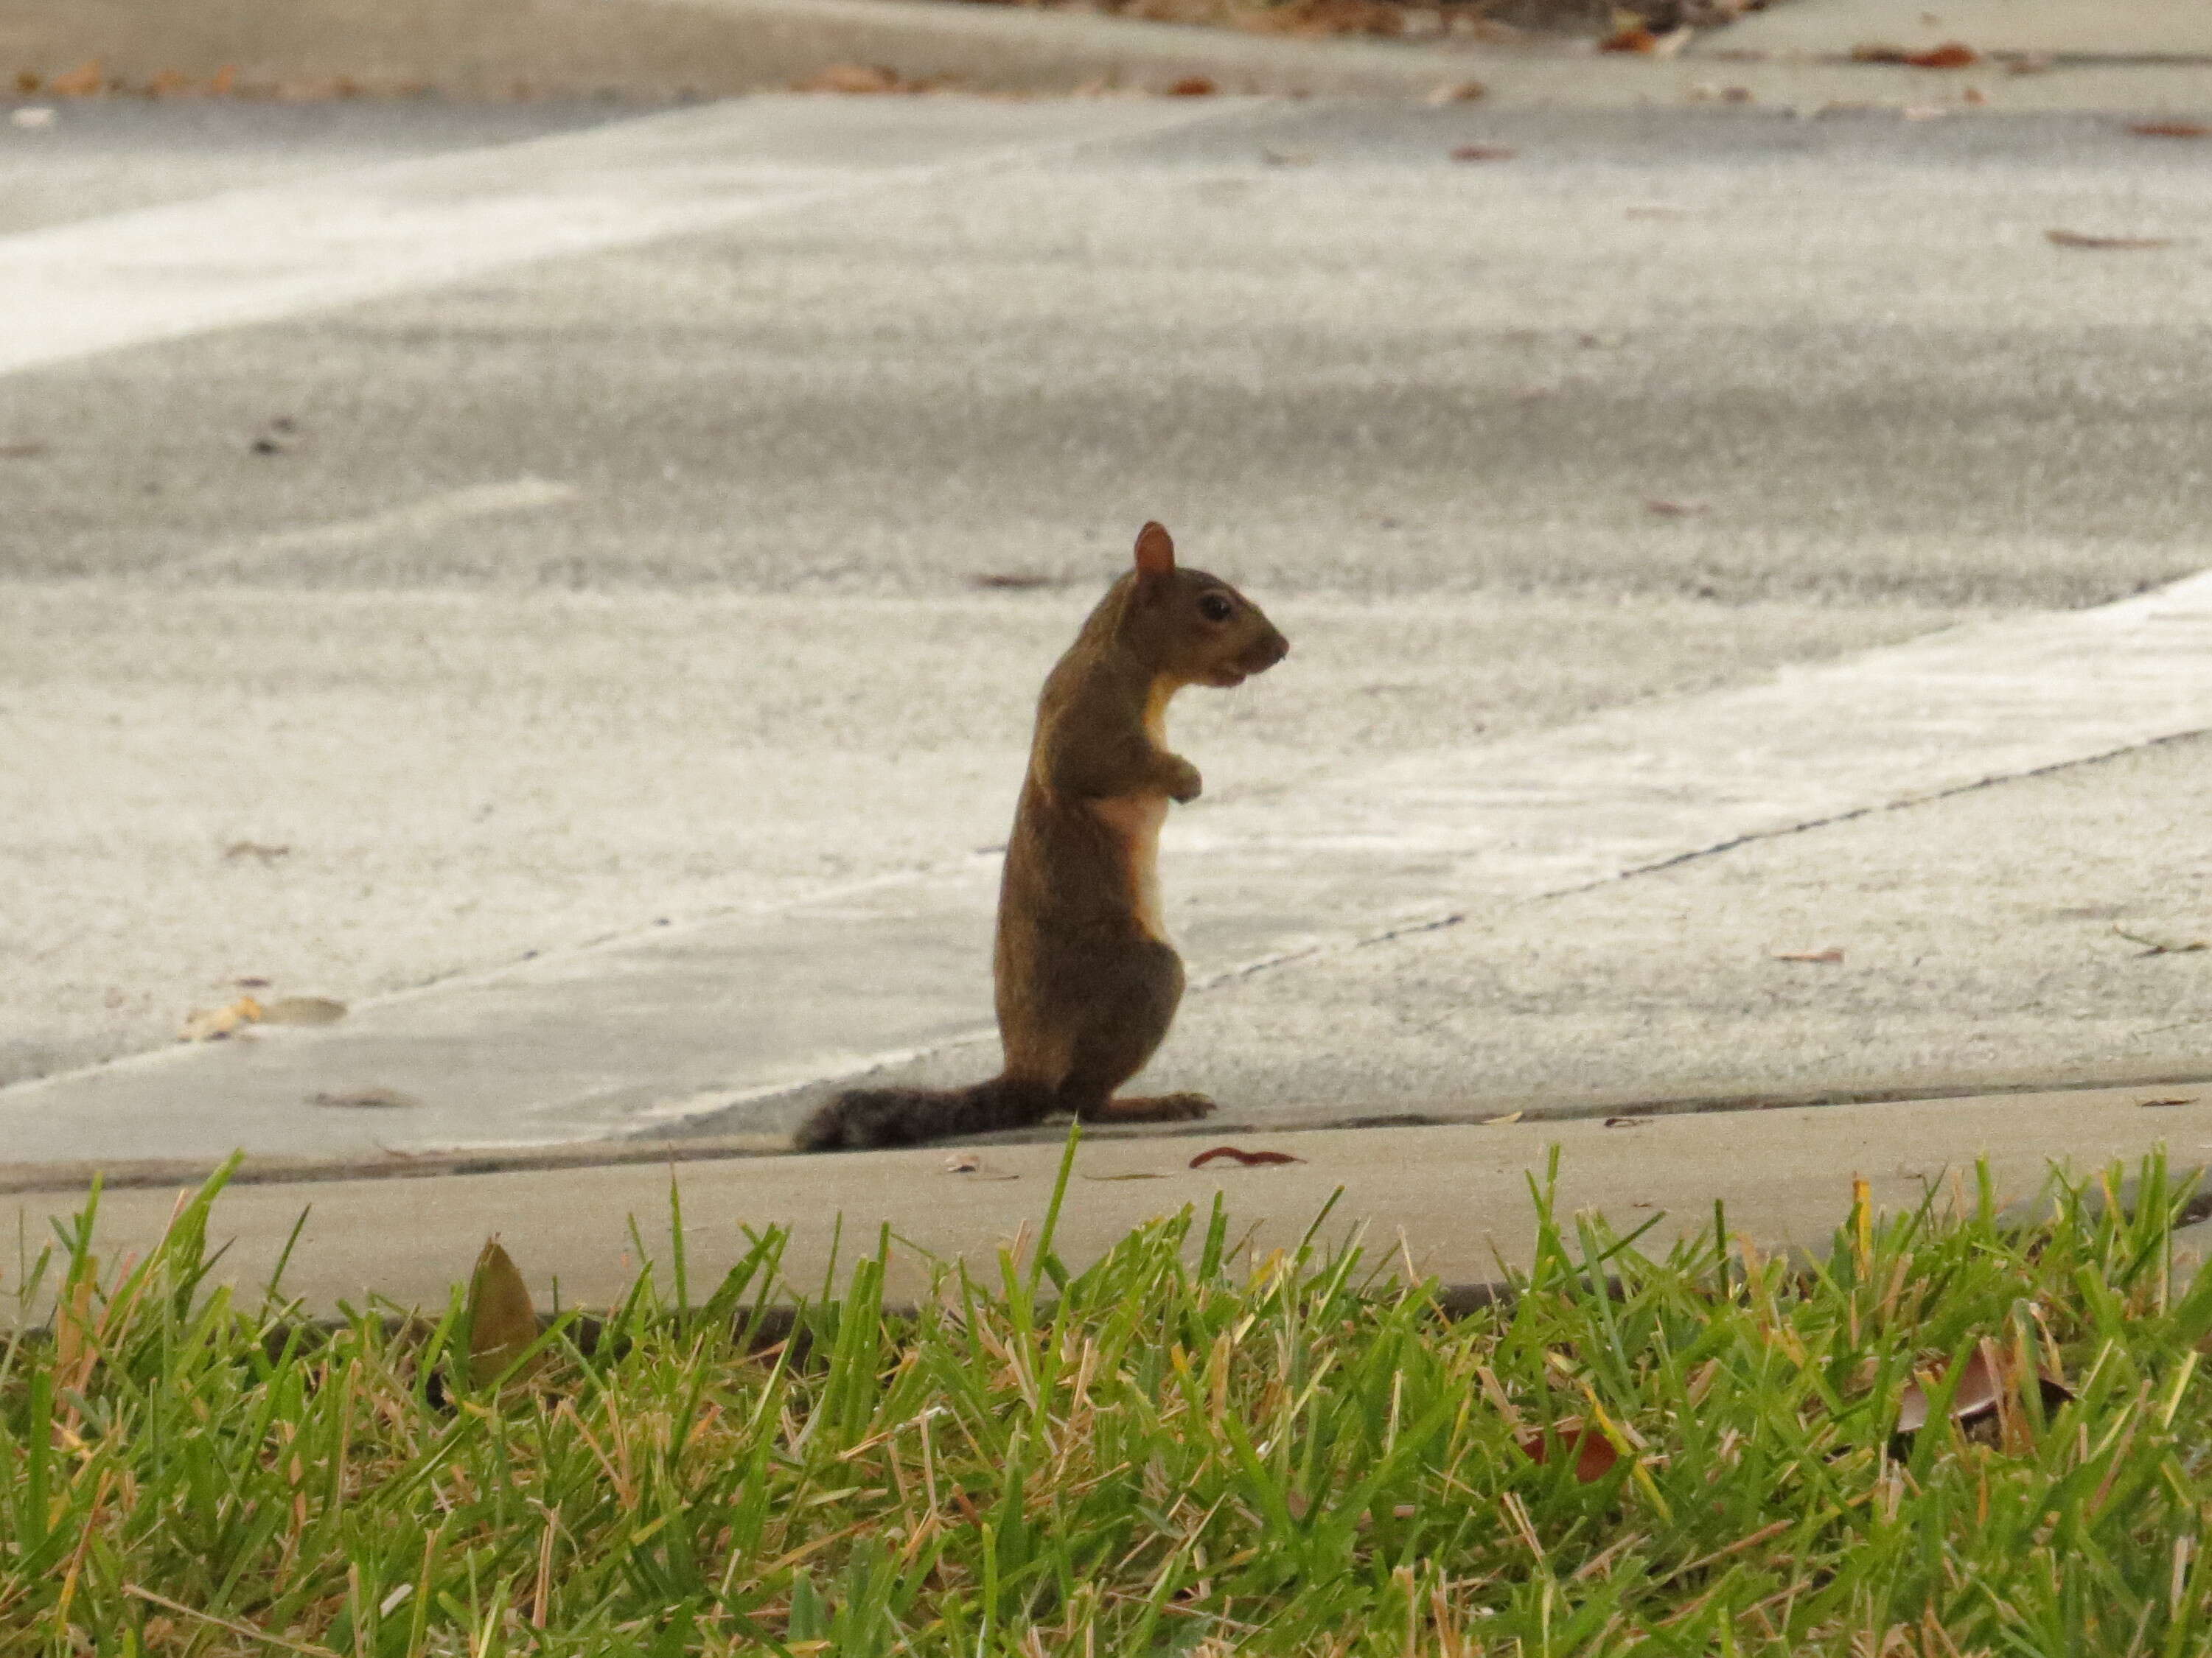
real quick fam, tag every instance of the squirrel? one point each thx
(1087, 981)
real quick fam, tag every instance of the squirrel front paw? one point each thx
(1184, 784)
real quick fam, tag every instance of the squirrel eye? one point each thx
(1216, 607)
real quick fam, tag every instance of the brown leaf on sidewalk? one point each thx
(85, 81)
(1832, 957)
(2075, 238)
(503, 1322)
(1484, 153)
(1102, 1179)
(1194, 85)
(1660, 507)
(1500, 1122)
(1634, 38)
(302, 1010)
(212, 1024)
(1627, 1122)
(1952, 54)
(2171, 130)
(263, 850)
(365, 1099)
(2155, 1105)
(1249, 1159)
(1594, 1453)
(1008, 581)
(853, 79)
(1457, 92)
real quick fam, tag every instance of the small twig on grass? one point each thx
(246, 1629)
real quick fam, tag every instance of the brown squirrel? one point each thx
(1087, 981)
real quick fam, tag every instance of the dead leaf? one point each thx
(1500, 1122)
(367, 1099)
(1457, 92)
(1832, 957)
(1634, 38)
(75, 1346)
(1975, 96)
(2171, 130)
(266, 853)
(503, 1322)
(28, 81)
(1952, 54)
(166, 83)
(213, 1024)
(1983, 1386)
(1104, 1178)
(1008, 581)
(852, 79)
(1249, 1159)
(1627, 1122)
(1663, 508)
(2075, 238)
(251, 982)
(1484, 153)
(1194, 85)
(85, 81)
(303, 1010)
(1593, 1452)
(2153, 1105)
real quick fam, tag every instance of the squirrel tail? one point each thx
(863, 1118)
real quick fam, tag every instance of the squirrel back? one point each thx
(1087, 981)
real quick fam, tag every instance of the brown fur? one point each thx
(1087, 981)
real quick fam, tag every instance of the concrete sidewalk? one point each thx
(1450, 1202)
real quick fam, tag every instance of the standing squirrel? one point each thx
(1087, 981)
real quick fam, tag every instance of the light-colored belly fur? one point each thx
(1135, 820)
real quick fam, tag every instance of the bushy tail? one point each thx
(865, 1117)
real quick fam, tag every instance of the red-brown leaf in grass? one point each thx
(2171, 130)
(2075, 238)
(1593, 1452)
(1194, 85)
(1249, 1159)
(1484, 153)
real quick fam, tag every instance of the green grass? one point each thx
(1176, 1450)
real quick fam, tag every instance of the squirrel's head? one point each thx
(1193, 627)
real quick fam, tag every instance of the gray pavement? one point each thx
(534, 618)
(2070, 31)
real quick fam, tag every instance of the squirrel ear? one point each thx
(1155, 552)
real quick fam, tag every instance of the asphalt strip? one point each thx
(710, 1024)
(254, 256)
